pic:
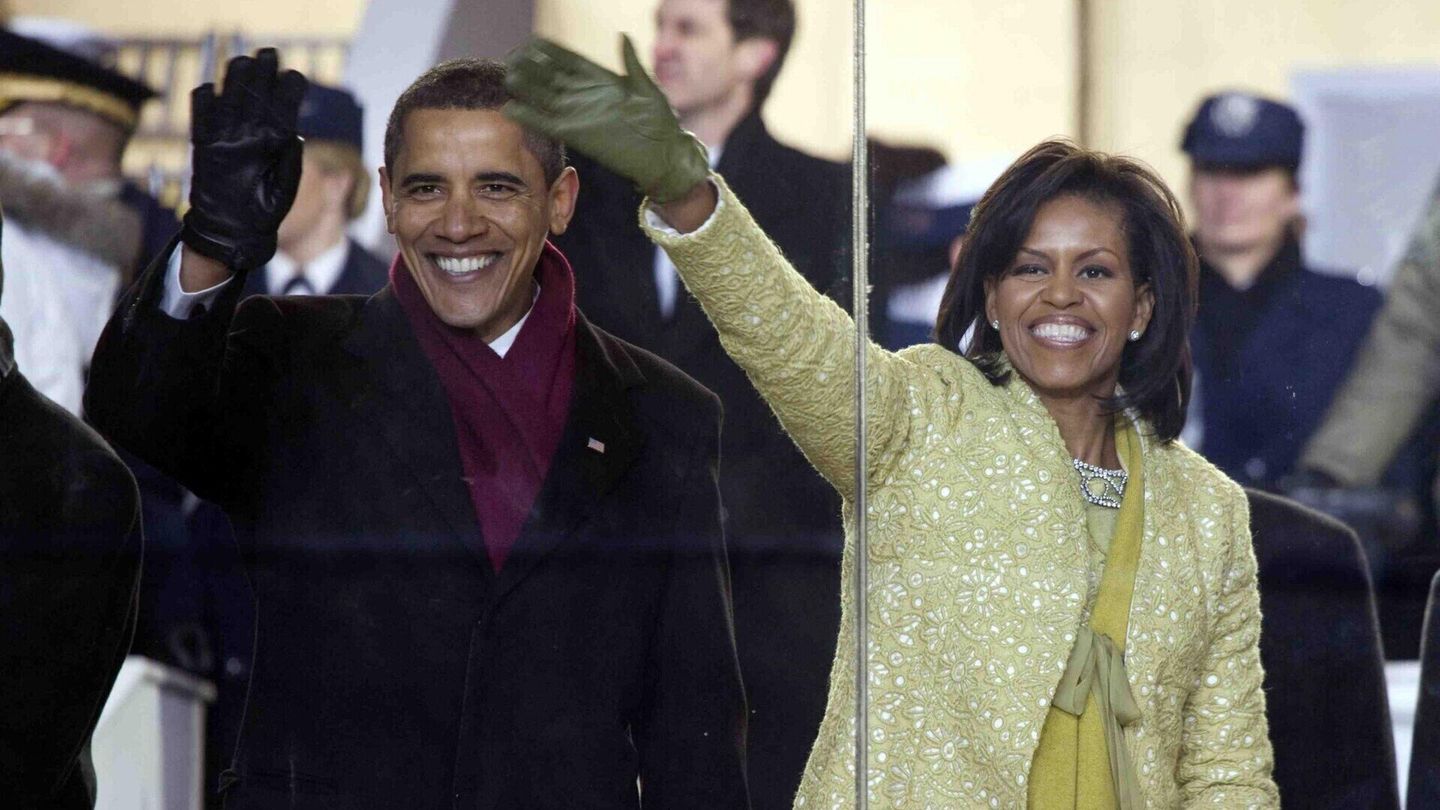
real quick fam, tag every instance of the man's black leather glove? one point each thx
(246, 162)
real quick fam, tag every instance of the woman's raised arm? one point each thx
(796, 345)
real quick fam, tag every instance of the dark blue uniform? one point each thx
(1269, 360)
(157, 224)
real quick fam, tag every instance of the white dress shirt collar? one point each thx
(502, 344)
(323, 272)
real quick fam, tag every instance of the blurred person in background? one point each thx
(911, 238)
(1395, 379)
(64, 123)
(157, 223)
(919, 228)
(313, 255)
(716, 61)
(70, 548)
(1274, 337)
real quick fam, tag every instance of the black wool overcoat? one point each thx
(393, 667)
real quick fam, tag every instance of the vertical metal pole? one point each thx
(859, 186)
(1084, 123)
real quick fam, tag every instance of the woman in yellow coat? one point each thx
(1063, 608)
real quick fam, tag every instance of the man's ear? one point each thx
(755, 55)
(386, 202)
(563, 193)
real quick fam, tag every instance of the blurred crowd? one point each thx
(1309, 383)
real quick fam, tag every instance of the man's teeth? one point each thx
(1060, 332)
(469, 264)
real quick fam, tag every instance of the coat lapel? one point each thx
(599, 443)
(405, 401)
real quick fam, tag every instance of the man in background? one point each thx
(106, 146)
(716, 61)
(64, 123)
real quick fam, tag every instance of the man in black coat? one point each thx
(69, 568)
(483, 534)
(716, 61)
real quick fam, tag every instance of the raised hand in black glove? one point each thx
(246, 162)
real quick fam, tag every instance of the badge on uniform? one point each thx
(1235, 114)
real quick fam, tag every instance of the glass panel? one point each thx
(315, 506)
(786, 160)
(444, 542)
(1315, 410)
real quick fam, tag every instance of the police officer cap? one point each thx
(1240, 129)
(331, 114)
(34, 71)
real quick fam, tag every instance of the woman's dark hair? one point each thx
(1155, 370)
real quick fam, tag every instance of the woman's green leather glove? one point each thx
(622, 122)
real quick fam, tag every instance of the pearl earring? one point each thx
(995, 324)
(1134, 335)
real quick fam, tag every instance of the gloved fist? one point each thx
(246, 161)
(623, 122)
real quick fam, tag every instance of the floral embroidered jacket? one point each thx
(977, 558)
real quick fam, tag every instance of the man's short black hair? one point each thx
(1155, 371)
(764, 19)
(465, 84)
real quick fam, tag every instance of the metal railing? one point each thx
(159, 156)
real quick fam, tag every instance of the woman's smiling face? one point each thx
(1068, 300)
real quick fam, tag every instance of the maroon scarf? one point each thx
(509, 412)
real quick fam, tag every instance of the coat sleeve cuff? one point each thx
(177, 303)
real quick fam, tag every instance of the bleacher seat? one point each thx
(1424, 790)
(1324, 668)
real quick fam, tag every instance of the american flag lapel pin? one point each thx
(596, 445)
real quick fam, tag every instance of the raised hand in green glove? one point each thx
(623, 122)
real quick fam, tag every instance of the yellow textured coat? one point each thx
(977, 561)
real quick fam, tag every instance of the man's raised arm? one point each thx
(157, 378)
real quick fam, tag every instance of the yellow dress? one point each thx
(1082, 762)
(977, 560)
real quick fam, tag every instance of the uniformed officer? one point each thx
(313, 254)
(1274, 337)
(64, 125)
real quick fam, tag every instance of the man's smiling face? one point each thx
(470, 209)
